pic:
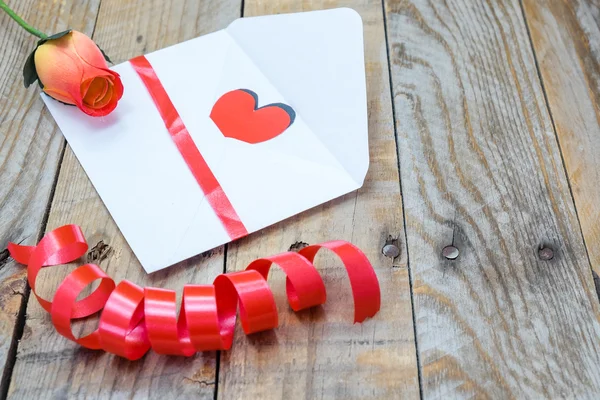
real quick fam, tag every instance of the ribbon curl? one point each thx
(135, 319)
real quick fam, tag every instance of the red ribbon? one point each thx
(213, 191)
(135, 319)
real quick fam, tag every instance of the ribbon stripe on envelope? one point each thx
(185, 144)
(135, 319)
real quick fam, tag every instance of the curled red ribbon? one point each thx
(135, 319)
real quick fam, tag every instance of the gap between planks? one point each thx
(408, 266)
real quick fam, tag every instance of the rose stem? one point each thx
(20, 21)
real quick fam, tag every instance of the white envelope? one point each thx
(312, 62)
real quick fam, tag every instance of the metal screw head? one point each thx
(450, 252)
(390, 250)
(546, 253)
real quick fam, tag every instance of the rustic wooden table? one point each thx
(484, 134)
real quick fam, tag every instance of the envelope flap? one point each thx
(316, 61)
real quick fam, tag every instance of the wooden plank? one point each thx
(319, 353)
(49, 366)
(30, 149)
(481, 168)
(566, 39)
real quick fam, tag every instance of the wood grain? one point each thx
(481, 168)
(566, 39)
(49, 366)
(30, 149)
(319, 353)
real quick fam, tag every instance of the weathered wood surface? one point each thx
(318, 354)
(481, 168)
(566, 39)
(47, 365)
(30, 148)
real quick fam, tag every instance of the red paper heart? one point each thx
(238, 116)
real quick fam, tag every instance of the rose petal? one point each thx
(112, 104)
(87, 50)
(95, 91)
(58, 95)
(91, 72)
(107, 97)
(118, 85)
(57, 68)
(100, 108)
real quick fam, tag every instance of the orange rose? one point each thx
(72, 69)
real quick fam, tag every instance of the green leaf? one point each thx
(29, 72)
(54, 37)
(104, 54)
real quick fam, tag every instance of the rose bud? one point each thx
(71, 68)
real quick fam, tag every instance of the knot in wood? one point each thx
(297, 246)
